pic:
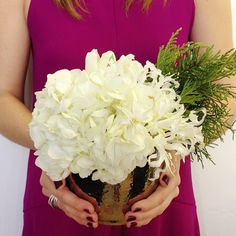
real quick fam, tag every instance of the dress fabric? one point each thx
(59, 41)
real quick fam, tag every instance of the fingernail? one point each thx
(133, 224)
(131, 218)
(89, 218)
(87, 211)
(89, 224)
(137, 210)
(57, 184)
(165, 178)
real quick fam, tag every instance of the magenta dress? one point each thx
(58, 41)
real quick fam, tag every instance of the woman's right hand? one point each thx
(74, 207)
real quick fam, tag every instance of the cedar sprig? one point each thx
(199, 71)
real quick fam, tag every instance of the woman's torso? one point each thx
(58, 41)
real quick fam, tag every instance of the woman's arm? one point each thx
(14, 56)
(213, 26)
(14, 116)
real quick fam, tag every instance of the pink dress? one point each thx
(58, 41)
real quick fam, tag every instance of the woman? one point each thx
(57, 41)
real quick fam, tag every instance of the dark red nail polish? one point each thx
(57, 184)
(131, 218)
(87, 211)
(137, 210)
(133, 224)
(165, 178)
(89, 224)
(89, 218)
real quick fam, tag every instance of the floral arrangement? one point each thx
(117, 114)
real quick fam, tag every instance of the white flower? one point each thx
(107, 119)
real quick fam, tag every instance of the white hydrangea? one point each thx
(106, 120)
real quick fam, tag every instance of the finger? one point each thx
(156, 198)
(84, 218)
(80, 215)
(164, 179)
(74, 217)
(89, 220)
(70, 199)
(63, 184)
(76, 208)
(143, 215)
(64, 195)
(143, 218)
(78, 220)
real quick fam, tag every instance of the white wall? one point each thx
(215, 187)
(215, 190)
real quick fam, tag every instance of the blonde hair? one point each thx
(71, 5)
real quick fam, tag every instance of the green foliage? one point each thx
(199, 71)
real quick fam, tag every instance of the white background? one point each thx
(215, 186)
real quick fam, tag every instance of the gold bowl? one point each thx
(111, 202)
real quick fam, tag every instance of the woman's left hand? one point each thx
(143, 211)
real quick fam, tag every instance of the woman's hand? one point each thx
(76, 208)
(143, 211)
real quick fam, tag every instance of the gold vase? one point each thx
(111, 202)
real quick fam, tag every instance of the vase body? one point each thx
(111, 202)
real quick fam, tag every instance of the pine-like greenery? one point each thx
(199, 71)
